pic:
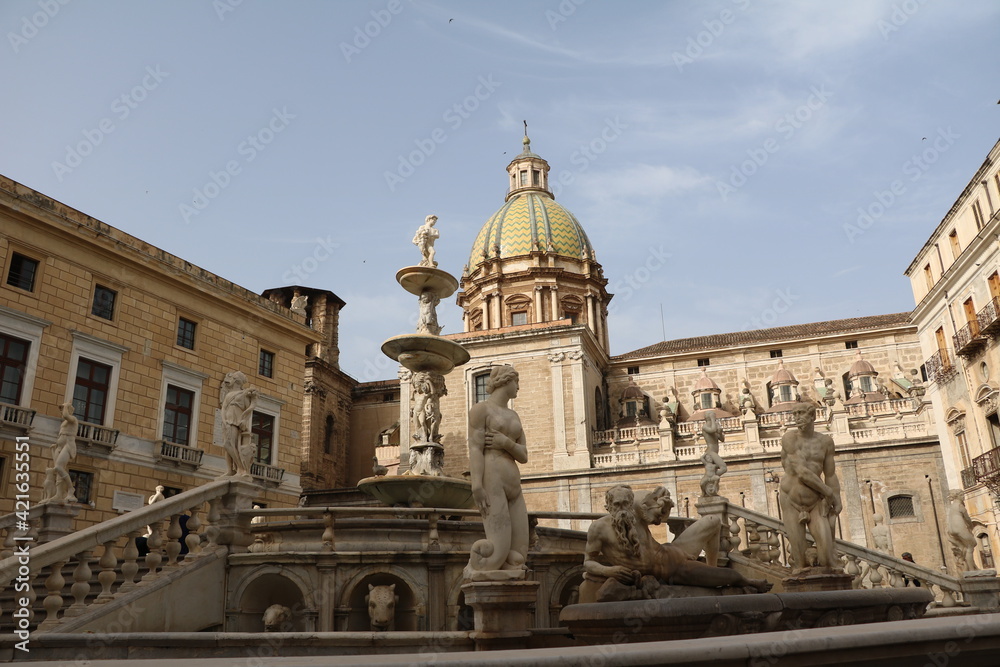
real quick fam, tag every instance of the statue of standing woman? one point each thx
(496, 446)
(424, 239)
(238, 402)
(715, 467)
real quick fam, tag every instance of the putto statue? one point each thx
(496, 446)
(715, 467)
(623, 560)
(238, 402)
(58, 485)
(809, 493)
(428, 388)
(424, 239)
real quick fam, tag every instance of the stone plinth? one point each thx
(504, 612)
(817, 579)
(981, 588)
(56, 521)
(716, 616)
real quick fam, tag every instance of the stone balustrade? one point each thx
(117, 540)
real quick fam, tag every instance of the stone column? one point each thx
(558, 409)
(405, 434)
(539, 313)
(497, 309)
(487, 315)
(436, 592)
(554, 302)
(855, 505)
(578, 443)
(591, 314)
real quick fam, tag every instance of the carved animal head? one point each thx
(381, 606)
(275, 616)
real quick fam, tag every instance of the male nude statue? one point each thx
(621, 550)
(806, 499)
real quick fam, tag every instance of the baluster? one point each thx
(173, 539)
(53, 602)
(109, 565)
(773, 550)
(8, 543)
(734, 533)
(874, 576)
(896, 579)
(214, 515)
(81, 584)
(328, 535)
(852, 569)
(947, 597)
(432, 532)
(131, 565)
(753, 540)
(153, 558)
(193, 539)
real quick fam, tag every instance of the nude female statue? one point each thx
(496, 446)
(715, 467)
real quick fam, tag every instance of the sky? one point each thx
(736, 164)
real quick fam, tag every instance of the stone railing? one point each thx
(765, 542)
(387, 454)
(889, 407)
(12, 415)
(92, 436)
(221, 525)
(267, 473)
(179, 454)
(627, 434)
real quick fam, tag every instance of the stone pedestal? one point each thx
(56, 520)
(504, 612)
(226, 526)
(817, 579)
(716, 506)
(980, 588)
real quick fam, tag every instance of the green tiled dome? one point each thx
(525, 219)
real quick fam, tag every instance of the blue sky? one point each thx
(717, 153)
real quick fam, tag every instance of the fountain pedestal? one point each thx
(504, 612)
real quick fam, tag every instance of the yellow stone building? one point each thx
(139, 341)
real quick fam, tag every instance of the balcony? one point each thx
(270, 475)
(989, 318)
(986, 469)
(94, 437)
(178, 454)
(939, 368)
(11, 415)
(969, 340)
(969, 478)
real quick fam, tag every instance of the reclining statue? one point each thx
(623, 560)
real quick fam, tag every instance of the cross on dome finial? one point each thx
(526, 141)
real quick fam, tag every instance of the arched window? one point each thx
(985, 550)
(328, 436)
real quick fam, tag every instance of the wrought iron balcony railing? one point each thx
(968, 340)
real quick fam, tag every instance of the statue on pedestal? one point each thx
(58, 486)
(809, 493)
(238, 402)
(424, 240)
(428, 388)
(963, 542)
(715, 467)
(623, 561)
(496, 446)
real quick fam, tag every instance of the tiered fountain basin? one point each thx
(419, 491)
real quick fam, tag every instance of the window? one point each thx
(520, 317)
(994, 425)
(866, 383)
(263, 428)
(706, 401)
(985, 550)
(328, 436)
(977, 213)
(630, 408)
(169, 491)
(524, 178)
(177, 415)
(850, 344)
(388, 397)
(776, 354)
(571, 315)
(104, 302)
(13, 362)
(536, 177)
(993, 282)
(480, 385)
(90, 394)
(963, 448)
(956, 249)
(901, 507)
(83, 485)
(22, 272)
(185, 333)
(265, 364)
(785, 393)
(703, 362)
(929, 277)
(633, 370)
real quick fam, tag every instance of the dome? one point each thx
(861, 367)
(528, 221)
(783, 376)
(705, 383)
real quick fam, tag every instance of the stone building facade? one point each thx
(140, 341)
(956, 285)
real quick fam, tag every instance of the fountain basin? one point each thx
(424, 352)
(419, 279)
(419, 491)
